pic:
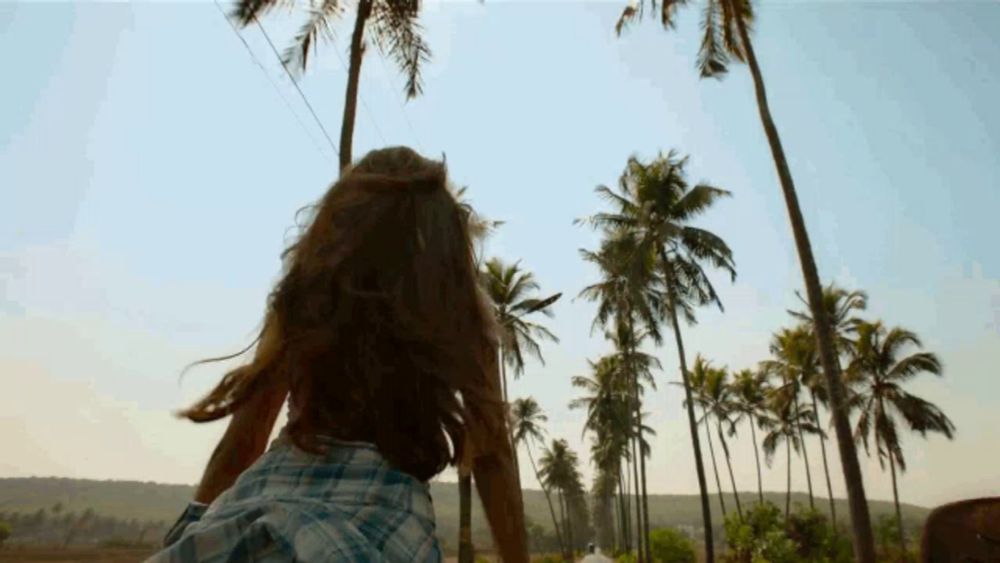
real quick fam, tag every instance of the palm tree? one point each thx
(512, 291)
(627, 298)
(610, 414)
(526, 426)
(480, 228)
(749, 391)
(557, 467)
(700, 373)
(726, 36)
(718, 403)
(784, 422)
(793, 353)
(391, 24)
(840, 305)
(655, 205)
(877, 372)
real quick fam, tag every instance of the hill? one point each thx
(147, 501)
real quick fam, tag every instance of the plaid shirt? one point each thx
(347, 505)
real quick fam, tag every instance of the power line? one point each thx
(371, 116)
(402, 107)
(271, 80)
(296, 83)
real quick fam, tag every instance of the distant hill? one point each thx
(160, 502)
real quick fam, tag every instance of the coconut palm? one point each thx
(480, 228)
(655, 205)
(700, 373)
(749, 391)
(558, 469)
(526, 419)
(391, 24)
(793, 361)
(512, 291)
(841, 306)
(877, 372)
(716, 399)
(726, 27)
(784, 423)
(627, 300)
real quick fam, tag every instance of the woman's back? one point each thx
(380, 335)
(348, 504)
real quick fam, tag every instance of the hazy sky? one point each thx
(149, 173)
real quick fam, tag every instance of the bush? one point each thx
(5, 532)
(815, 539)
(759, 537)
(667, 545)
(764, 536)
(547, 558)
(626, 558)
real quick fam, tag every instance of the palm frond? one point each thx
(398, 33)
(712, 57)
(317, 26)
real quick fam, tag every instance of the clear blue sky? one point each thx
(149, 172)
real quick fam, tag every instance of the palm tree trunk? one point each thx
(623, 501)
(732, 478)
(788, 476)
(756, 457)
(826, 467)
(465, 550)
(864, 542)
(638, 503)
(353, 76)
(715, 469)
(548, 497)
(643, 527)
(567, 525)
(805, 453)
(645, 503)
(895, 499)
(706, 512)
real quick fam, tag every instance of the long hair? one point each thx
(378, 327)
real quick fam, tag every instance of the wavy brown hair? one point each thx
(378, 327)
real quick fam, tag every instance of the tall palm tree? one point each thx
(627, 300)
(700, 374)
(526, 426)
(841, 305)
(512, 292)
(749, 391)
(877, 373)
(784, 423)
(558, 468)
(480, 228)
(655, 205)
(793, 361)
(717, 400)
(726, 37)
(610, 413)
(391, 24)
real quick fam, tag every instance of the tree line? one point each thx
(55, 526)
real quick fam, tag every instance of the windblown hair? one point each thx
(378, 327)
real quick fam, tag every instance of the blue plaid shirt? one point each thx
(347, 505)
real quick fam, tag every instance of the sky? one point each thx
(150, 171)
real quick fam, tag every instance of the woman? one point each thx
(380, 338)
